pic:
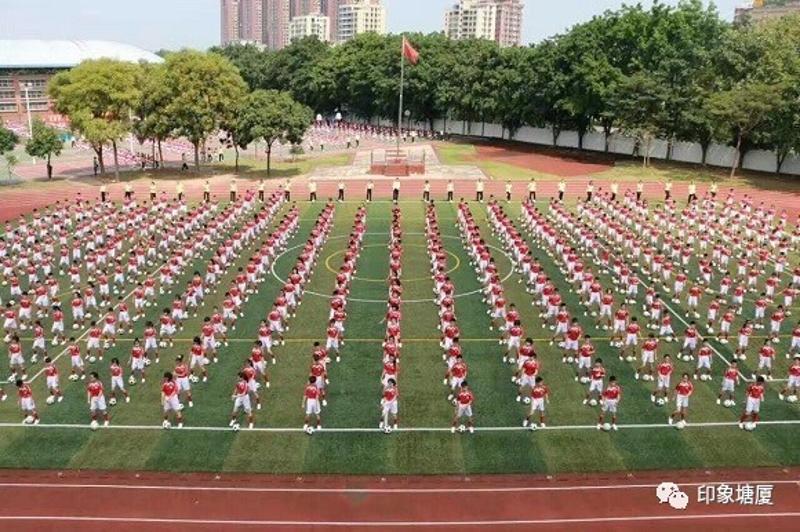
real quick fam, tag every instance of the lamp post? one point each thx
(26, 86)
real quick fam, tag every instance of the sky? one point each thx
(172, 24)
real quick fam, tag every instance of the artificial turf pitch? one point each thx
(572, 446)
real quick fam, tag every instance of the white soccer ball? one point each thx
(462, 428)
(387, 430)
(630, 358)
(606, 426)
(194, 378)
(309, 430)
(584, 380)
(147, 361)
(112, 401)
(180, 407)
(593, 402)
(94, 425)
(131, 380)
(73, 377)
(28, 420)
(661, 401)
(703, 377)
(570, 360)
(206, 361)
(728, 403)
(680, 425)
(749, 426)
(791, 399)
(50, 399)
(235, 427)
(526, 400)
(92, 359)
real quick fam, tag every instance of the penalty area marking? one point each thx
(342, 430)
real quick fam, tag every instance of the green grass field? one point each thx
(573, 444)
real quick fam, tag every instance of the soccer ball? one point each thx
(728, 403)
(180, 407)
(94, 425)
(630, 358)
(686, 358)
(235, 427)
(92, 359)
(28, 420)
(112, 401)
(147, 361)
(606, 426)
(661, 401)
(703, 377)
(50, 399)
(526, 400)
(680, 425)
(791, 399)
(749, 426)
(194, 378)
(593, 402)
(73, 377)
(309, 430)
(570, 360)
(462, 428)
(584, 380)
(131, 380)
(166, 424)
(206, 361)
(387, 430)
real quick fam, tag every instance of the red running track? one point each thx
(16, 201)
(48, 500)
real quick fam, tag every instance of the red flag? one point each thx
(409, 52)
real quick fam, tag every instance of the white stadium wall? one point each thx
(688, 152)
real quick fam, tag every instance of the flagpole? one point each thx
(400, 110)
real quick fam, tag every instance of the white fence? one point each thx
(689, 152)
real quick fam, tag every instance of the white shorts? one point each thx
(97, 404)
(26, 404)
(389, 408)
(527, 380)
(463, 410)
(764, 362)
(332, 343)
(512, 342)
(648, 357)
(631, 339)
(117, 383)
(704, 362)
(610, 405)
(728, 385)
(77, 362)
(92, 343)
(571, 345)
(150, 344)
(793, 382)
(743, 341)
(52, 382)
(312, 407)
(242, 402)
(663, 382)
(172, 403)
(753, 406)
(537, 405)
(690, 342)
(681, 401)
(137, 364)
(16, 360)
(183, 384)
(596, 385)
(584, 362)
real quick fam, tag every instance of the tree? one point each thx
(204, 90)
(153, 122)
(272, 116)
(45, 142)
(8, 139)
(98, 96)
(740, 110)
(639, 108)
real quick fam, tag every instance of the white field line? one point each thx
(454, 489)
(406, 524)
(340, 430)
